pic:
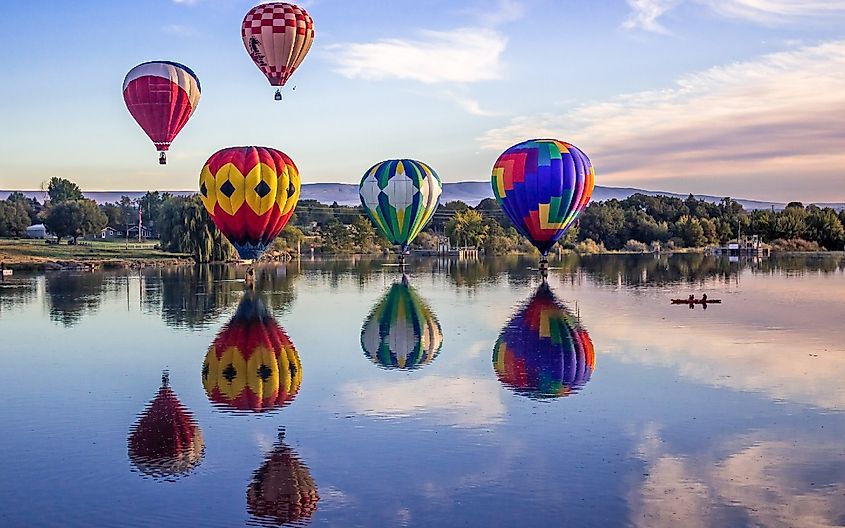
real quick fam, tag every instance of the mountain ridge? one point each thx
(470, 192)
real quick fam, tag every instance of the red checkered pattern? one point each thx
(276, 30)
(278, 16)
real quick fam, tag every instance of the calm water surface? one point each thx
(466, 395)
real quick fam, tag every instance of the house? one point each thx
(37, 231)
(146, 232)
(109, 232)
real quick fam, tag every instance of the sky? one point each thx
(741, 98)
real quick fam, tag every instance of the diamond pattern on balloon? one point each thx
(227, 189)
(370, 191)
(262, 189)
(400, 191)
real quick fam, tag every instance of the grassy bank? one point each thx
(36, 254)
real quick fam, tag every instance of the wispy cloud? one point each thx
(449, 59)
(465, 402)
(766, 121)
(462, 55)
(644, 14)
(775, 11)
(185, 2)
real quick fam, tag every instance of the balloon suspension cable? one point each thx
(278, 96)
(165, 378)
(162, 158)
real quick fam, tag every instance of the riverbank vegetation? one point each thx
(636, 224)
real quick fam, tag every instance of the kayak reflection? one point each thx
(544, 352)
(282, 490)
(165, 443)
(401, 332)
(252, 365)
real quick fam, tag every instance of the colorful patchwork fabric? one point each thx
(543, 352)
(543, 185)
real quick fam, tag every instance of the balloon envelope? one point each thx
(543, 185)
(165, 442)
(544, 352)
(401, 332)
(161, 96)
(252, 365)
(250, 194)
(282, 490)
(277, 37)
(400, 197)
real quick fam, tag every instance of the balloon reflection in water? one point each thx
(282, 490)
(165, 442)
(543, 352)
(252, 364)
(401, 332)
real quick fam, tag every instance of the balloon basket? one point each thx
(278, 96)
(544, 267)
(162, 158)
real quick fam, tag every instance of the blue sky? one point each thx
(728, 97)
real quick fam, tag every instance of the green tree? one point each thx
(113, 214)
(185, 227)
(290, 238)
(336, 238)
(467, 228)
(604, 222)
(824, 227)
(75, 218)
(62, 190)
(30, 205)
(791, 222)
(689, 230)
(363, 234)
(13, 219)
(151, 204)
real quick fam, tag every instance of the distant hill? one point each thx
(470, 192)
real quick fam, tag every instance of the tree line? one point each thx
(635, 223)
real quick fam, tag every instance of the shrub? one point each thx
(589, 247)
(794, 244)
(635, 246)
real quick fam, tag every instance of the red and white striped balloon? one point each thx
(161, 96)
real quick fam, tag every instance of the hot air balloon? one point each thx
(401, 332)
(250, 194)
(282, 490)
(161, 96)
(277, 36)
(544, 352)
(543, 185)
(165, 442)
(400, 197)
(252, 364)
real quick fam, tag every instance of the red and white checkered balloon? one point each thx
(277, 36)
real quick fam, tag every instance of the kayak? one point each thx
(696, 301)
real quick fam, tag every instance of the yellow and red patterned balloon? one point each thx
(250, 194)
(252, 364)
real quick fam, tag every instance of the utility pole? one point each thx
(139, 221)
